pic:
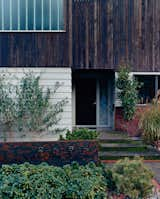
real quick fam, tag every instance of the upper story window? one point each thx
(31, 15)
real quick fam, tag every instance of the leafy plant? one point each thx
(26, 106)
(35, 112)
(80, 134)
(74, 181)
(133, 178)
(7, 105)
(128, 92)
(42, 181)
(150, 124)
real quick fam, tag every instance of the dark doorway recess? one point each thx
(86, 102)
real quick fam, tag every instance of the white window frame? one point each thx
(132, 74)
(34, 30)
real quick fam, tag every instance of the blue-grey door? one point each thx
(105, 102)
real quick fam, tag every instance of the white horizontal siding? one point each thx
(48, 78)
(42, 70)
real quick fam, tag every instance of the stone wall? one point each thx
(56, 153)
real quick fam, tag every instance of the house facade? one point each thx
(81, 44)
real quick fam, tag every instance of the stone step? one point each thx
(122, 141)
(121, 154)
(122, 145)
(115, 135)
(114, 146)
(127, 149)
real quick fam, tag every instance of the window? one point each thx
(31, 15)
(150, 87)
(147, 90)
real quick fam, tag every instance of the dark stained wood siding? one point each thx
(37, 49)
(107, 33)
(100, 34)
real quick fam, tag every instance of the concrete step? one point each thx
(122, 145)
(115, 146)
(127, 149)
(115, 135)
(122, 141)
(152, 154)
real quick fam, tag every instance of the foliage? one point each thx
(7, 104)
(48, 182)
(80, 134)
(129, 177)
(150, 124)
(128, 92)
(35, 112)
(110, 182)
(26, 106)
(132, 178)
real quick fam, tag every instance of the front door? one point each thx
(86, 102)
(94, 101)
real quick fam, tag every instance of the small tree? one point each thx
(35, 112)
(128, 92)
(26, 106)
(7, 106)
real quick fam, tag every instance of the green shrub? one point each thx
(73, 181)
(132, 178)
(81, 134)
(35, 112)
(128, 92)
(7, 105)
(150, 124)
(26, 107)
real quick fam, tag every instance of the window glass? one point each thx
(38, 15)
(6, 14)
(22, 10)
(46, 15)
(158, 82)
(30, 15)
(54, 17)
(147, 91)
(61, 15)
(16, 15)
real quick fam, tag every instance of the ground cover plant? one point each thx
(27, 181)
(80, 134)
(47, 182)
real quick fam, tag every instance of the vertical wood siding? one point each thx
(100, 34)
(50, 49)
(107, 33)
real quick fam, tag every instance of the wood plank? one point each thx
(100, 34)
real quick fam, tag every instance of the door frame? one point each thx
(96, 76)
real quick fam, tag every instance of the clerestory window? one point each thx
(31, 15)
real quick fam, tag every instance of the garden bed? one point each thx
(75, 181)
(56, 153)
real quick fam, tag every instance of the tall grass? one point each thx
(150, 124)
